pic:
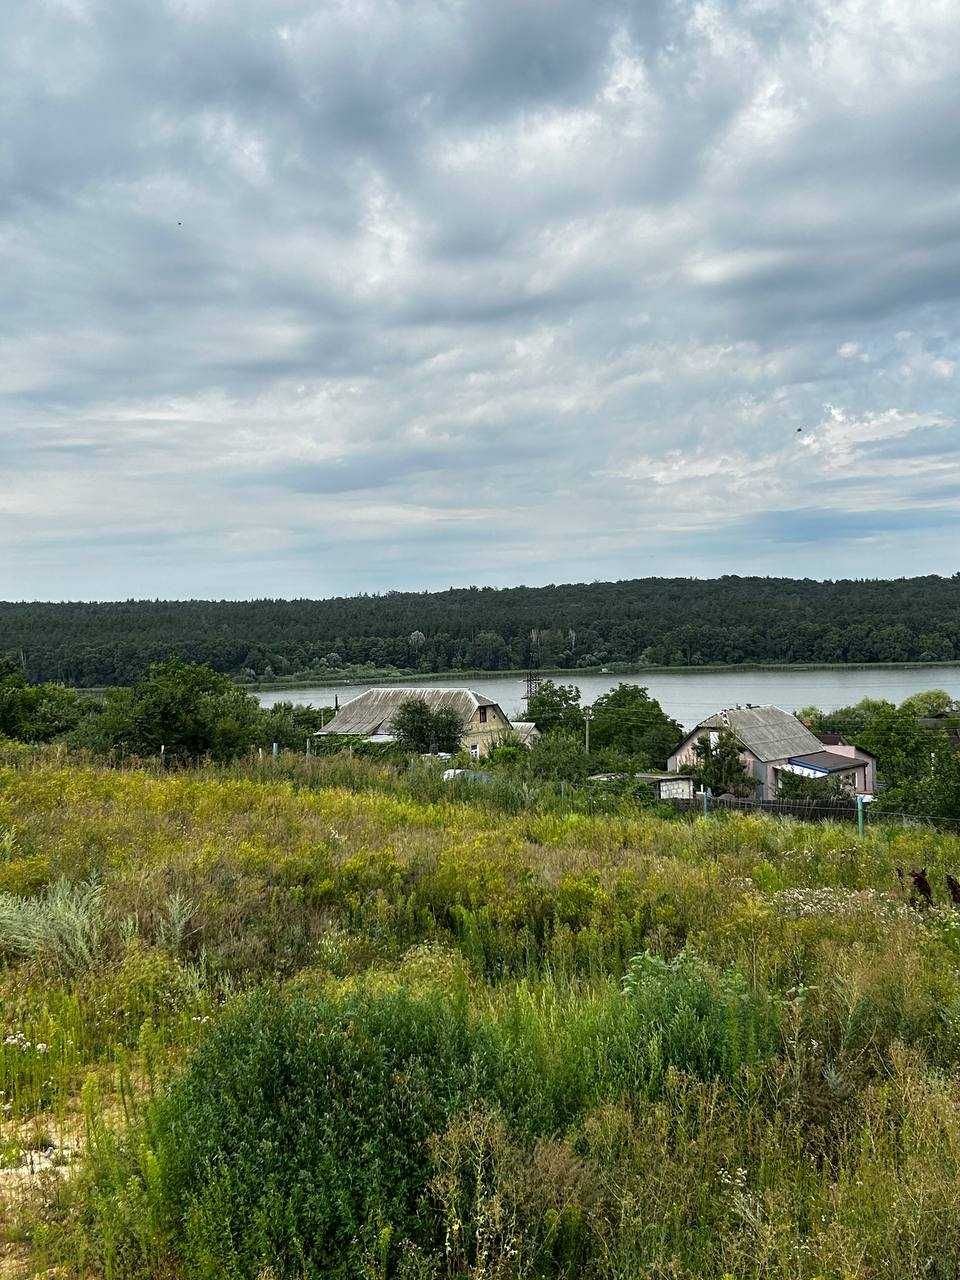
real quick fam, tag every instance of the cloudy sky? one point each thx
(310, 297)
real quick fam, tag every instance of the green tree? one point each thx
(187, 708)
(419, 729)
(795, 787)
(557, 756)
(36, 712)
(900, 743)
(930, 702)
(291, 724)
(631, 723)
(933, 789)
(849, 721)
(556, 706)
(719, 765)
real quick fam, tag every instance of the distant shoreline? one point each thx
(569, 674)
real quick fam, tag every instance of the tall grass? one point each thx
(394, 1031)
(62, 928)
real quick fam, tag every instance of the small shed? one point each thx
(668, 786)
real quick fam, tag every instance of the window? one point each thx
(483, 715)
(475, 750)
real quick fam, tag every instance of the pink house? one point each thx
(774, 742)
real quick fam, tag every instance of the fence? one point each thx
(812, 811)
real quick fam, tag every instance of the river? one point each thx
(689, 696)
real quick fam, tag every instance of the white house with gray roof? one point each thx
(774, 742)
(371, 715)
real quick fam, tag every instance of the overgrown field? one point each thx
(349, 1031)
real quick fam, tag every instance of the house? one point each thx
(774, 742)
(838, 744)
(370, 716)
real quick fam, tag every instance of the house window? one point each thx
(483, 715)
(475, 750)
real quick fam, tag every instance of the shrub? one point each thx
(62, 928)
(300, 1133)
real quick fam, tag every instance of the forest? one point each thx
(646, 621)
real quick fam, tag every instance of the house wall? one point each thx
(685, 757)
(868, 773)
(479, 738)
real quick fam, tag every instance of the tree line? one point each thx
(648, 621)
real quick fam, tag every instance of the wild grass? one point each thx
(360, 1027)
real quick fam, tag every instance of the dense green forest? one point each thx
(661, 621)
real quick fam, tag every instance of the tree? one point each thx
(900, 743)
(419, 729)
(290, 725)
(187, 708)
(557, 756)
(556, 707)
(36, 712)
(627, 720)
(930, 702)
(719, 765)
(794, 786)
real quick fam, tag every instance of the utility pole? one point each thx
(587, 717)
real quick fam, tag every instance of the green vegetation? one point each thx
(35, 712)
(659, 621)
(184, 710)
(313, 1017)
(720, 767)
(917, 746)
(418, 728)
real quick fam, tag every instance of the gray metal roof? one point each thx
(769, 732)
(828, 761)
(525, 730)
(373, 711)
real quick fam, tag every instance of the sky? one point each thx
(311, 298)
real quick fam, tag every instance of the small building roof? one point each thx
(769, 732)
(372, 712)
(828, 761)
(525, 730)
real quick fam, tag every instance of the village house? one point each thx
(772, 743)
(370, 717)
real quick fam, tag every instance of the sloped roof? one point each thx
(769, 732)
(828, 761)
(373, 711)
(525, 730)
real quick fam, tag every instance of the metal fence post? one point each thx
(860, 816)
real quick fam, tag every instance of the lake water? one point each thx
(689, 696)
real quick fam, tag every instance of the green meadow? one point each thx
(320, 1019)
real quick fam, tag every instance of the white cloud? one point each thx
(310, 297)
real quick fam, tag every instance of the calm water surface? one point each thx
(689, 696)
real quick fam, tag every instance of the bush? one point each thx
(63, 928)
(297, 1142)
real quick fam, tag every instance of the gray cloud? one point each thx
(302, 298)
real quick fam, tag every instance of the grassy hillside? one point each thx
(275, 1028)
